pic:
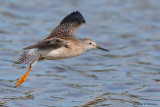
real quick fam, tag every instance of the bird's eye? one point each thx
(90, 43)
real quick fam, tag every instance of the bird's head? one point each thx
(89, 44)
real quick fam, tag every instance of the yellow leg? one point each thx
(23, 78)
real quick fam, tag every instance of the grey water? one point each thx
(127, 76)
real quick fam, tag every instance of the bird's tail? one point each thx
(29, 57)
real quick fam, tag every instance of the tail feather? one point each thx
(29, 57)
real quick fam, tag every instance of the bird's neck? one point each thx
(83, 44)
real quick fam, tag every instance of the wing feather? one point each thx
(68, 26)
(54, 42)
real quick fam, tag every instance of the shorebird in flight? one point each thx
(60, 44)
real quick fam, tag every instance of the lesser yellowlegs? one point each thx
(60, 44)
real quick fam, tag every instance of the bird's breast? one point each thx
(60, 53)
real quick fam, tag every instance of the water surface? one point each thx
(127, 76)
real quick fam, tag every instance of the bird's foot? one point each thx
(23, 78)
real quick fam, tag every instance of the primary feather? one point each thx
(68, 26)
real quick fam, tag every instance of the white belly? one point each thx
(61, 53)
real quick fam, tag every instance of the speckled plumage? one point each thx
(61, 40)
(60, 44)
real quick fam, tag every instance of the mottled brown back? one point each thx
(68, 26)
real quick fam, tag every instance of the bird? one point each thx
(61, 43)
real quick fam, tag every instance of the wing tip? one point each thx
(73, 17)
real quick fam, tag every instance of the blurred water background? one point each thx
(127, 76)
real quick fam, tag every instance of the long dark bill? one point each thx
(101, 48)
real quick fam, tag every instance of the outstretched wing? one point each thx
(54, 42)
(68, 26)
